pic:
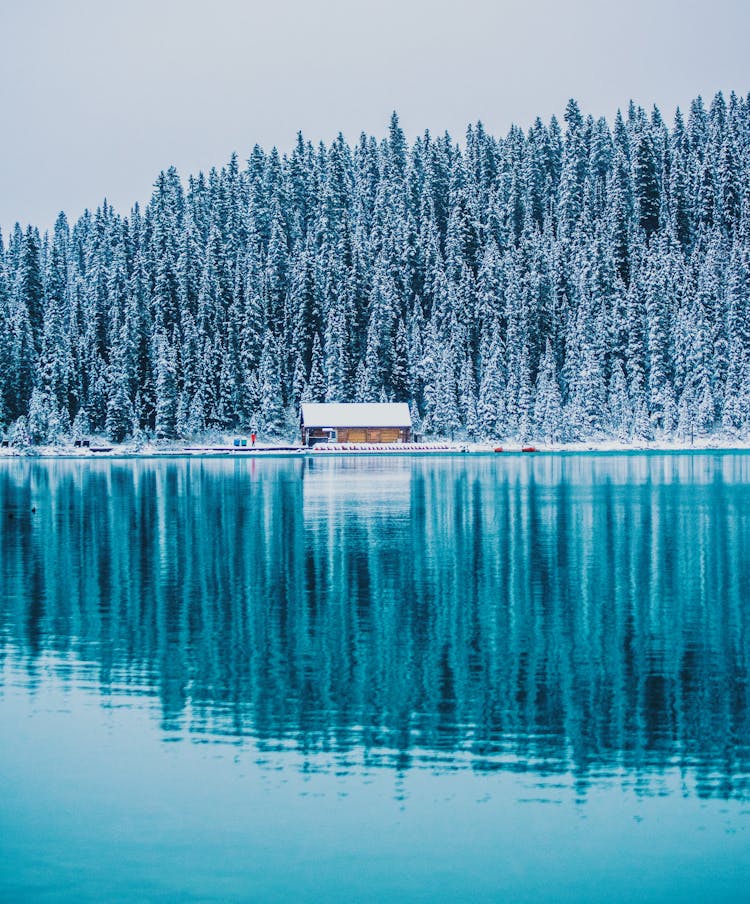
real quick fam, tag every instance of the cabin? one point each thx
(355, 422)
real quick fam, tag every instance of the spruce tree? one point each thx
(166, 388)
(548, 411)
(317, 381)
(646, 181)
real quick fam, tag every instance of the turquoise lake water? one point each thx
(466, 678)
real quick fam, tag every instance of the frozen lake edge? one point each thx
(173, 450)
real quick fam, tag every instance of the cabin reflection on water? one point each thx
(583, 616)
(340, 489)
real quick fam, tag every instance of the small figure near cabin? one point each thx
(252, 438)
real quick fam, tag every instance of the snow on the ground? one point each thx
(279, 447)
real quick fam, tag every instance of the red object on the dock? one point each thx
(528, 449)
(499, 449)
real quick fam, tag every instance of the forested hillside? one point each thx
(571, 281)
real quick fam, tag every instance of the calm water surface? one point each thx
(407, 679)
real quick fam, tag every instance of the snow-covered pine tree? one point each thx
(166, 388)
(548, 410)
(316, 385)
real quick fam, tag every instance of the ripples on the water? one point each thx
(582, 619)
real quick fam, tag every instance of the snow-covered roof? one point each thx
(355, 414)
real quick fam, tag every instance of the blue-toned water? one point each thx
(469, 678)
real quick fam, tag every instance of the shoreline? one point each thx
(214, 450)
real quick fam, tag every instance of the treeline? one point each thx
(562, 282)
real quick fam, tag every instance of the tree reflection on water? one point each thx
(572, 615)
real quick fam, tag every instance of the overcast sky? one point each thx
(96, 97)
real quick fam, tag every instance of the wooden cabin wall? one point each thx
(362, 434)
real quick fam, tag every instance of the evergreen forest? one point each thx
(578, 280)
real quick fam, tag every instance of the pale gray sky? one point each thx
(96, 97)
